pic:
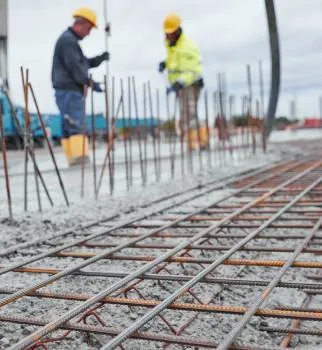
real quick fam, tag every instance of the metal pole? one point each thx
(107, 33)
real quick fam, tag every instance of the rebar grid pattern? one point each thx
(212, 271)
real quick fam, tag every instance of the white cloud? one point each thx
(230, 34)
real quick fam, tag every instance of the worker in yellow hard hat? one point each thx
(69, 76)
(183, 64)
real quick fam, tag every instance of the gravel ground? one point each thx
(27, 227)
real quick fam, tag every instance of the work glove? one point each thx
(201, 83)
(108, 29)
(162, 66)
(105, 56)
(176, 87)
(97, 87)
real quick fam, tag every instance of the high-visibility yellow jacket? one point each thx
(183, 61)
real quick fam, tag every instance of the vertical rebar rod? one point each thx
(184, 126)
(207, 128)
(158, 133)
(215, 111)
(21, 132)
(31, 143)
(250, 107)
(138, 128)
(231, 126)
(129, 91)
(110, 147)
(195, 97)
(168, 131)
(113, 137)
(29, 140)
(83, 141)
(152, 130)
(172, 133)
(5, 163)
(52, 155)
(126, 159)
(25, 143)
(221, 118)
(93, 142)
(225, 114)
(109, 135)
(262, 103)
(145, 133)
(245, 134)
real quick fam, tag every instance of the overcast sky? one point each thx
(230, 34)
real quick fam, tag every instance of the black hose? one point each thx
(276, 65)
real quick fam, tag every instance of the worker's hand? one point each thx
(162, 66)
(97, 87)
(177, 86)
(169, 90)
(105, 56)
(108, 29)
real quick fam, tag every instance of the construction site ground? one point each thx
(33, 234)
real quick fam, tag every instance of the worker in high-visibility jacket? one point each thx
(183, 64)
(69, 76)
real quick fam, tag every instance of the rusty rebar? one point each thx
(129, 96)
(109, 150)
(61, 183)
(152, 130)
(93, 141)
(29, 144)
(109, 133)
(84, 132)
(139, 129)
(21, 132)
(126, 156)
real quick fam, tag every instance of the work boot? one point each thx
(76, 145)
(192, 140)
(204, 137)
(65, 146)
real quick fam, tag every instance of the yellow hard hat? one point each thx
(171, 23)
(87, 14)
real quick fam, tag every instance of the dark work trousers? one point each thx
(70, 105)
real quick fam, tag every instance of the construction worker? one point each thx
(183, 64)
(69, 76)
